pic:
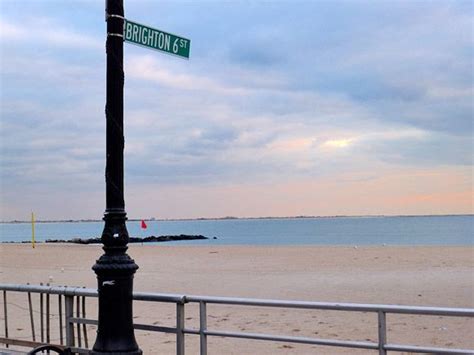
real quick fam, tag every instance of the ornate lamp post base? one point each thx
(115, 270)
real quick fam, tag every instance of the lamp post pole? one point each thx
(115, 269)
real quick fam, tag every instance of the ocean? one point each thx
(418, 230)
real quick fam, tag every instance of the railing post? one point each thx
(41, 315)
(30, 307)
(203, 327)
(179, 328)
(84, 326)
(5, 311)
(48, 332)
(69, 313)
(60, 312)
(382, 321)
(78, 315)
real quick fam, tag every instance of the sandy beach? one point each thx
(428, 276)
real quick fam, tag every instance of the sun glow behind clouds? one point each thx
(338, 143)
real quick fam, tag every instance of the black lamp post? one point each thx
(115, 269)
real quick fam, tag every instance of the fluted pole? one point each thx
(115, 269)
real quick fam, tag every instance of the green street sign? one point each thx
(155, 39)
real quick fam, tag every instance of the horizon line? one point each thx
(241, 218)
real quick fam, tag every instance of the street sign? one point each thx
(155, 39)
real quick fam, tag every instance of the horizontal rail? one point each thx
(358, 307)
(288, 339)
(155, 328)
(175, 298)
(426, 350)
(180, 300)
(83, 321)
(159, 297)
(330, 342)
(90, 292)
(52, 290)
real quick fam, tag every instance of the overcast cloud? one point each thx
(322, 104)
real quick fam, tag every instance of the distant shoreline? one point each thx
(237, 218)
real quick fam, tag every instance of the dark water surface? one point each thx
(429, 230)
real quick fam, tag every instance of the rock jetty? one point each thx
(150, 239)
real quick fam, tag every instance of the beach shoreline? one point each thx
(439, 276)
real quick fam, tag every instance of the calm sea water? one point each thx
(432, 230)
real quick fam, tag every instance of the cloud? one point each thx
(381, 190)
(48, 32)
(273, 94)
(260, 54)
(149, 68)
(12, 32)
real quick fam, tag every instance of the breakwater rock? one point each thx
(150, 239)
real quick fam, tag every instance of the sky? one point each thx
(285, 108)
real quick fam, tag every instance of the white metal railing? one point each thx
(69, 293)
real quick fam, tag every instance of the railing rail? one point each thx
(180, 330)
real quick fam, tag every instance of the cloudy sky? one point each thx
(284, 108)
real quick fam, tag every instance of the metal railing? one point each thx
(70, 321)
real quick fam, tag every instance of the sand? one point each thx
(427, 276)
